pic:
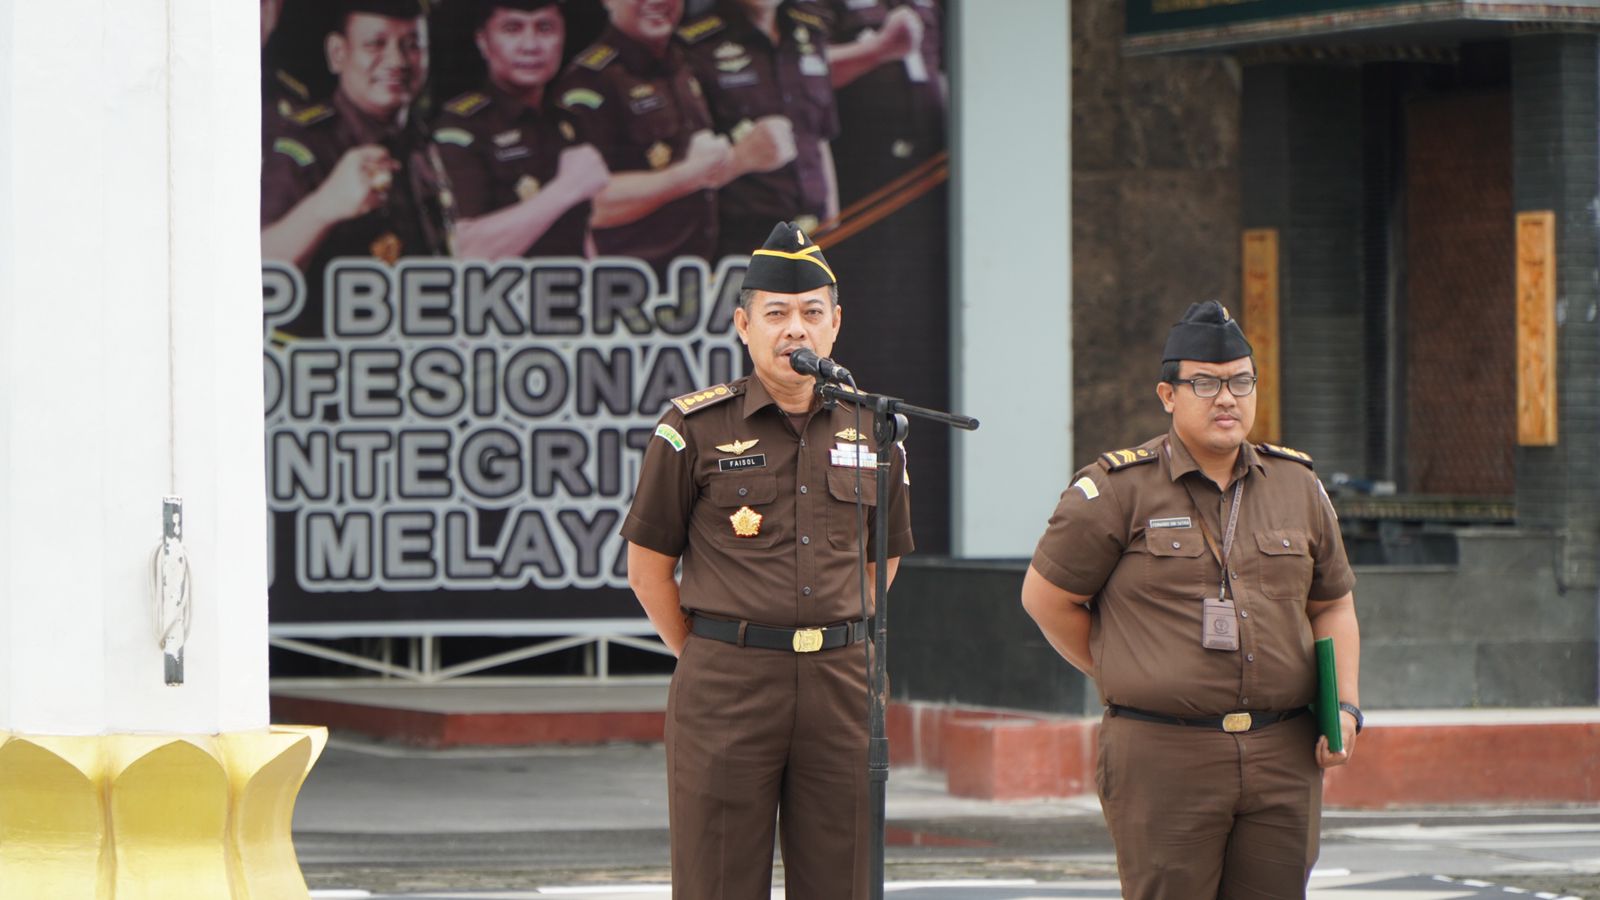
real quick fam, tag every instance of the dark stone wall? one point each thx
(1155, 218)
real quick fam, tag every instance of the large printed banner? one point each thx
(499, 237)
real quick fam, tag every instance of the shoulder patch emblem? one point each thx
(294, 150)
(700, 29)
(313, 114)
(670, 435)
(1121, 459)
(582, 97)
(598, 57)
(1287, 453)
(458, 136)
(701, 399)
(1086, 484)
(806, 18)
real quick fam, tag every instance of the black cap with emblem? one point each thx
(394, 9)
(486, 8)
(789, 263)
(1206, 333)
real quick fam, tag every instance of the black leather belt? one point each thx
(799, 640)
(1231, 723)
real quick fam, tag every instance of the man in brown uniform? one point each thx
(752, 484)
(519, 182)
(766, 61)
(352, 177)
(1209, 771)
(633, 96)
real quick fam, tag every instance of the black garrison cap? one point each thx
(486, 8)
(789, 263)
(1206, 333)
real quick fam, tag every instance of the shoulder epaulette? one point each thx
(805, 18)
(597, 57)
(311, 115)
(295, 150)
(1121, 459)
(700, 29)
(698, 400)
(468, 103)
(292, 84)
(1287, 453)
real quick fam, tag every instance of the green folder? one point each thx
(1328, 696)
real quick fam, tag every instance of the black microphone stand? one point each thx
(890, 423)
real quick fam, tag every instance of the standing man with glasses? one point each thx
(1189, 577)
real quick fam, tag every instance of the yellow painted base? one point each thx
(175, 817)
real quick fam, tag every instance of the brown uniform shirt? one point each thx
(639, 112)
(1130, 537)
(304, 150)
(496, 151)
(746, 76)
(799, 567)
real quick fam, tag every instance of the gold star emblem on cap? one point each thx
(746, 522)
(658, 155)
(527, 186)
(737, 448)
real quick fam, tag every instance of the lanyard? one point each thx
(1227, 537)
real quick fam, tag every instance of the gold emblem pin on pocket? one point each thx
(746, 522)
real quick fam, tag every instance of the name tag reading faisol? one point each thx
(759, 461)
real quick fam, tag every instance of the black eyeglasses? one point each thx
(1208, 386)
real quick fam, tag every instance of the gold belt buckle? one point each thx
(807, 640)
(1236, 722)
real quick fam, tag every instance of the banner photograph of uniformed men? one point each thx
(498, 236)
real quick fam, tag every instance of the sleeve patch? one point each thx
(670, 435)
(458, 136)
(1086, 485)
(294, 150)
(582, 97)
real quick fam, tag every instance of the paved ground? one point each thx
(386, 822)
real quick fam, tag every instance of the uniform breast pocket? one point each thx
(1174, 563)
(842, 526)
(1285, 563)
(739, 509)
(647, 130)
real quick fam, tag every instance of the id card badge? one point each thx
(1219, 625)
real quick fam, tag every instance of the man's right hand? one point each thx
(768, 145)
(583, 170)
(358, 183)
(710, 158)
(901, 34)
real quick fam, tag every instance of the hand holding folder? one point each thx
(1327, 705)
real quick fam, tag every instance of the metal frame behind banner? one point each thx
(421, 663)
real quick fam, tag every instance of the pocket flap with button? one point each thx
(1283, 542)
(842, 485)
(1184, 542)
(743, 489)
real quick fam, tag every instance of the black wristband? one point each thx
(1354, 710)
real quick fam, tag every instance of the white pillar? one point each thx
(1012, 337)
(130, 351)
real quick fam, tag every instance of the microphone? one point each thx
(808, 363)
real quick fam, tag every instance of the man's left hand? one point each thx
(1327, 760)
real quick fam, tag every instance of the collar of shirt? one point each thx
(756, 396)
(636, 57)
(1180, 462)
(740, 28)
(362, 127)
(509, 107)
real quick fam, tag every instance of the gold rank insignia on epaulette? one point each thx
(468, 103)
(1121, 459)
(292, 84)
(700, 29)
(294, 150)
(1287, 453)
(698, 400)
(312, 114)
(805, 18)
(598, 57)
